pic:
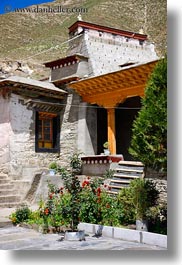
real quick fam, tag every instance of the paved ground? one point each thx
(17, 238)
(20, 238)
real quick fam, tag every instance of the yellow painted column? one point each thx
(111, 130)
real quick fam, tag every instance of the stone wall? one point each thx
(107, 52)
(17, 142)
(160, 179)
(69, 127)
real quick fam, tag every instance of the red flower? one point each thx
(85, 183)
(99, 189)
(50, 196)
(46, 211)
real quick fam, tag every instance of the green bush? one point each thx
(53, 165)
(125, 202)
(157, 219)
(144, 195)
(21, 214)
(149, 132)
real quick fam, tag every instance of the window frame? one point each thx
(55, 133)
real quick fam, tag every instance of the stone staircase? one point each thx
(8, 193)
(124, 173)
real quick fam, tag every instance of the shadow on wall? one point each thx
(74, 102)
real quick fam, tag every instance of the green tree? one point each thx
(149, 132)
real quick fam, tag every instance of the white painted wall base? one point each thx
(126, 234)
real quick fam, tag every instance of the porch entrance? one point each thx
(125, 114)
(108, 91)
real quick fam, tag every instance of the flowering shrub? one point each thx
(72, 186)
(97, 206)
(88, 201)
(55, 211)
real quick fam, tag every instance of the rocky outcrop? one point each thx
(8, 68)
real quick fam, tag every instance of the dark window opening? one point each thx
(47, 132)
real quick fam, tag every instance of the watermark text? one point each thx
(47, 9)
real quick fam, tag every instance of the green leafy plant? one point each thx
(53, 165)
(108, 174)
(106, 145)
(72, 185)
(75, 162)
(144, 195)
(21, 214)
(157, 219)
(125, 202)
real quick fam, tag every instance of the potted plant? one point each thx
(53, 168)
(144, 196)
(106, 148)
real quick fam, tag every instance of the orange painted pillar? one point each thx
(111, 130)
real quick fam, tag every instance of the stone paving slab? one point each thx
(20, 238)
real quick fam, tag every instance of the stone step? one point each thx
(8, 192)
(112, 192)
(125, 172)
(120, 175)
(118, 187)
(4, 181)
(131, 163)
(10, 199)
(119, 181)
(136, 170)
(9, 204)
(3, 177)
(6, 186)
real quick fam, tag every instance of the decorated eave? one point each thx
(66, 80)
(108, 90)
(64, 65)
(62, 62)
(30, 88)
(42, 105)
(100, 28)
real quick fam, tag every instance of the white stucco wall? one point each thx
(21, 140)
(107, 52)
(4, 130)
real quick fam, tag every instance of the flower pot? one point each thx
(106, 152)
(142, 225)
(78, 235)
(52, 172)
